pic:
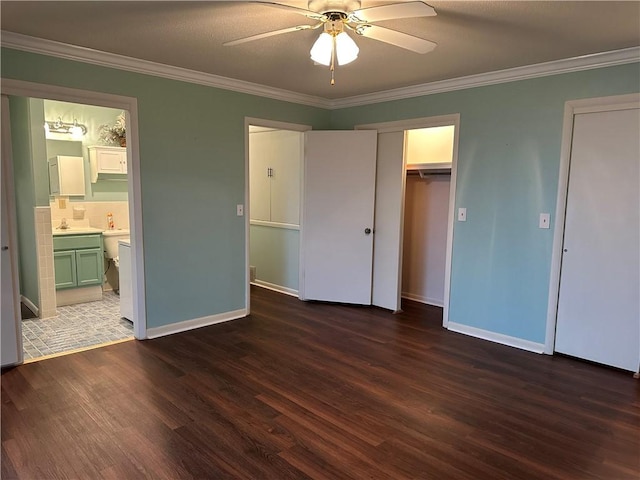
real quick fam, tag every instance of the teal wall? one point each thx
(192, 176)
(508, 164)
(275, 253)
(25, 198)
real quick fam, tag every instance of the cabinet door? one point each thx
(89, 265)
(285, 176)
(260, 148)
(64, 264)
(110, 161)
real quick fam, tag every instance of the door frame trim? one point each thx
(572, 108)
(7, 191)
(21, 88)
(426, 122)
(261, 122)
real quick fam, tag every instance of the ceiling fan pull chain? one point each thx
(333, 59)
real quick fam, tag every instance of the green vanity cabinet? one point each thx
(78, 260)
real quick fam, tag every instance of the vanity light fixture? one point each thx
(334, 42)
(76, 129)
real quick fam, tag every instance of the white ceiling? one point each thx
(473, 37)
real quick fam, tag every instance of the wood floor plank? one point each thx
(308, 390)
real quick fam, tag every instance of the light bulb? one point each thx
(346, 49)
(76, 131)
(321, 50)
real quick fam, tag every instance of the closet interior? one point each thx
(428, 158)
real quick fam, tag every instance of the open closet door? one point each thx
(389, 207)
(336, 248)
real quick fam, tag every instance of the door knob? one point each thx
(4, 247)
(367, 231)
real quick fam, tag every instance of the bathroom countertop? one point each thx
(75, 231)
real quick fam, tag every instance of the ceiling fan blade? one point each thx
(269, 34)
(291, 9)
(399, 39)
(393, 11)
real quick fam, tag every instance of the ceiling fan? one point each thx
(336, 17)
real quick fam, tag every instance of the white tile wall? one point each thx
(95, 214)
(44, 252)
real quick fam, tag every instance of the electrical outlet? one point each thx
(240, 210)
(462, 214)
(544, 220)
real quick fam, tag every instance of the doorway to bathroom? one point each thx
(70, 300)
(74, 223)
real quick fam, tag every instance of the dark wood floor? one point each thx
(301, 390)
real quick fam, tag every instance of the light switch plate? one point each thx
(462, 214)
(544, 220)
(240, 210)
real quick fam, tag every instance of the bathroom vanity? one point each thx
(78, 261)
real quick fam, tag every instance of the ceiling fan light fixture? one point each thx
(346, 49)
(322, 49)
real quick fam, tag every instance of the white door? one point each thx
(9, 313)
(337, 216)
(598, 307)
(389, 207)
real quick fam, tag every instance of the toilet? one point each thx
(110, 239)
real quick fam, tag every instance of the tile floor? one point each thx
(76, 326)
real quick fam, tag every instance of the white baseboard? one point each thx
(426, 300)
(276, 288)
(497, 337)
(195, 323)
(30, 305)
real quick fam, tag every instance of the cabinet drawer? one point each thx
(77, 242)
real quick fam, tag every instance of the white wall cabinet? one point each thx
(109, 160)
(275, 157)
(66, 176)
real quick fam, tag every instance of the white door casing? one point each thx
(250, 122)
(337, 208)
(598, 309)
(130, 106)
(391, 222)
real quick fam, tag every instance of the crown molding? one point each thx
(556, 67)
(121, 62)
(96, 57)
